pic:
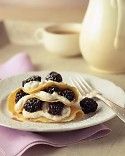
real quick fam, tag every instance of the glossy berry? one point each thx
(33, 105)
(32, 78)
(88, 105)
(56, 108)
(52, 89)
(54, 76)
(69, 94)
(19, 95)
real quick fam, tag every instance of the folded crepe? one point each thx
(44, 104)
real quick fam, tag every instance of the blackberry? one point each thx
(54, 76)
(33, 105)
(88, 105)
(32, 78)
(69, 94)
(52, 89)
(19, 95)
(56, 108)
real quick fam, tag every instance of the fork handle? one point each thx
(108, 102)
(119, 111)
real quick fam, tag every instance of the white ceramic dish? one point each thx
(60, 39)
(103, 113)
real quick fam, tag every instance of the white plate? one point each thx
(103, 113)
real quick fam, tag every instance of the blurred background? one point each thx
(22, 17)
(46, 10)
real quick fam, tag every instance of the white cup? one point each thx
(61, 39)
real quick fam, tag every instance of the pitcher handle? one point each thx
(118, 40)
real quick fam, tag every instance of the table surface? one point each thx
(114, 143)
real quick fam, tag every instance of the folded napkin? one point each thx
(18, 64)
(16, 142)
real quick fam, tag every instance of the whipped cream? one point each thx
(44, 95)
(52, 97)
(44, 113)
(32, 85)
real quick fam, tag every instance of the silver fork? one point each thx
(85, 88)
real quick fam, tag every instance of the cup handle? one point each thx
(39, 35)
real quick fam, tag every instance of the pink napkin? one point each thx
(16, 142)
(18, 64)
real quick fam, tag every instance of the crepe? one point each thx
(75, 113)
(48, 84)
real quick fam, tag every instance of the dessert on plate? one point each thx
(47, 100)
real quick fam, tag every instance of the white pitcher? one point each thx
(102, 39)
